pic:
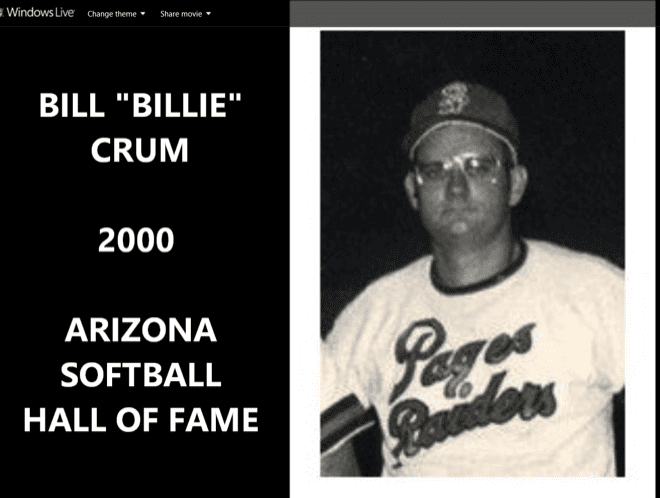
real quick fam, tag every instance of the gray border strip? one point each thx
(514, 14)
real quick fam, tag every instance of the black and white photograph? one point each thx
(472, 261)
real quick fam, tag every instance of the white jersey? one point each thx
(512, 377)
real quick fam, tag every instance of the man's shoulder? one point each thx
(569, 264)
(359, 318)
(412, 274)
(391, 286)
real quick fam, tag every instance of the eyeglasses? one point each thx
(478, 168)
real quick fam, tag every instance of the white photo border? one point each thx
(305, 147)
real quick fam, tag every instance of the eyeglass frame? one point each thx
(462, 163)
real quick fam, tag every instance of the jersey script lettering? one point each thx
(411, 422)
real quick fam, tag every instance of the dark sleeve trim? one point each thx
(345, 418)
(343, 405)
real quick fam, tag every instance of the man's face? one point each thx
(462, 204)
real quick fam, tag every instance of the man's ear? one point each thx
(518, 176)
(410, 184)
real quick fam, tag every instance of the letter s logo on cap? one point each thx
(454, 99)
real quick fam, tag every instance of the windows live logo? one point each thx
(32, 12)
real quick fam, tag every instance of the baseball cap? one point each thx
(463, 103)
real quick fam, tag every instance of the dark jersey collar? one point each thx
(489, 282)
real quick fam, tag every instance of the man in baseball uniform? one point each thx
(493, 355)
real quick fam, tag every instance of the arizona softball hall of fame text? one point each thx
(147, 374)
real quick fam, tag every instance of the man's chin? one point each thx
(459, 228)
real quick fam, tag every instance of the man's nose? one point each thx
(457, 184)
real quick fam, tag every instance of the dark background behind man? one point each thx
(566, 90)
